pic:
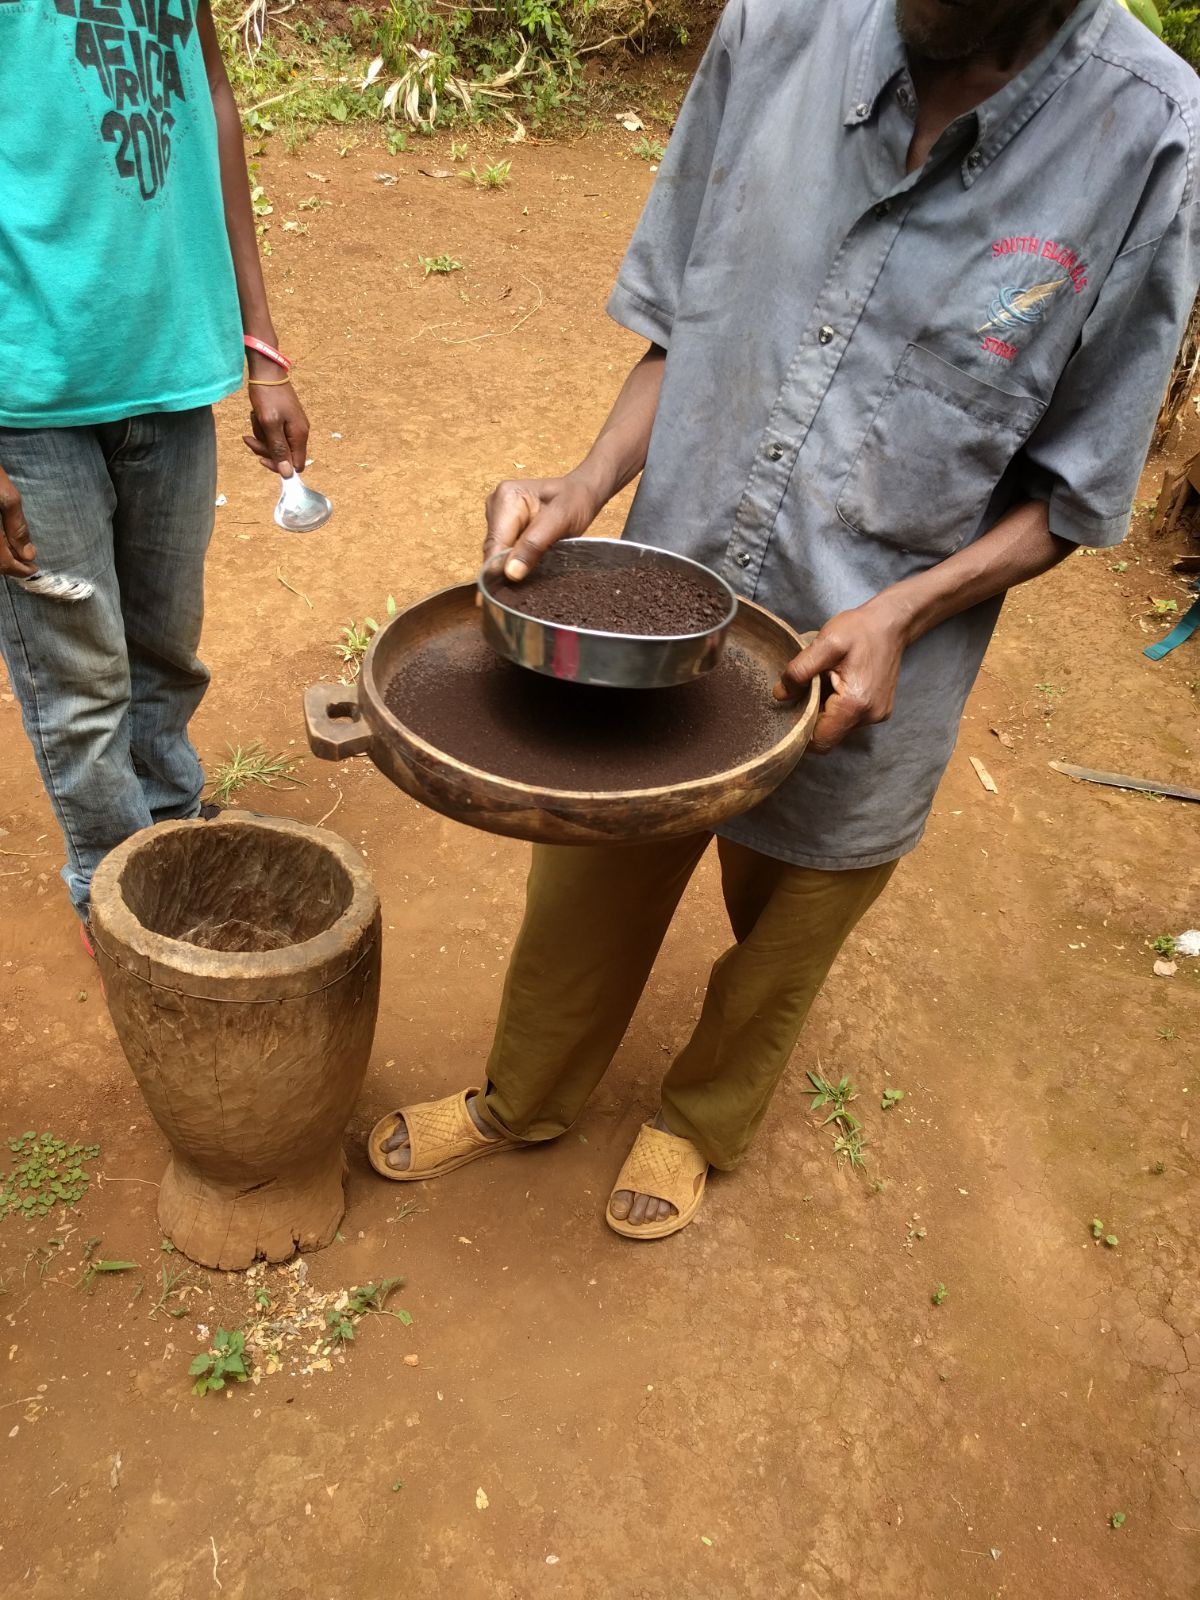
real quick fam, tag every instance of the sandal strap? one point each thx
(440, 1130)
(663, 1165)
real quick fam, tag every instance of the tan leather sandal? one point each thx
(667, 1167)
(441, 1136)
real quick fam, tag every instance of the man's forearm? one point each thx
(235, 192)
(1019, 547)
(619, 452)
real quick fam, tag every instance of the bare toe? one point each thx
(620, 1204)
(399, 1156)
(640, 1204)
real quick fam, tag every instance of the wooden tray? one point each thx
(354, 720)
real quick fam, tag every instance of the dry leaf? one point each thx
(435, 172)
(373, 72)
(412, 1361)
(1165, 969)
(1004, 738)
(630, 121)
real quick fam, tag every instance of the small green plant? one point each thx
(1159, 1168)
(341, 1318)
(838, 1095)
(313, 203)
(169, 1287)
(1097, 1228)
(46, 1173)
(356, 636)
(1111, 1240)
(1163, 608)
(848, 1142)
(94, 1268)
(224, 1363)
(439, 266)
(397, 141)
(1166, 1032)
(250, 764)
(939, 1294)
(397, 1485)
(259, 203)
(262, 1300)
(891, 1097)
(1164, 945)
(1119, 566)
(458, 151)
(650, 149)
(1117, 1520)
(494, 177)
(849, 1146)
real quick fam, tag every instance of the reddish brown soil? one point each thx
(768, 1407)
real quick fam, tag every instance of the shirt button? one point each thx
(974, 159)
(826, 334)
(742, 558)
(861, 109)
(882, 209)
(774, 452)
(904, 97)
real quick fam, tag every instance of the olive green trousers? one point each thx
(595, 916)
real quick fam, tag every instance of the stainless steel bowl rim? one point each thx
(487, 570)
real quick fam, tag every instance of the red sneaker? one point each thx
(85, 939)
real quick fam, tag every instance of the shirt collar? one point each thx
(878, 56)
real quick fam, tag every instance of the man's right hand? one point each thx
(527, 515)
(17, 555)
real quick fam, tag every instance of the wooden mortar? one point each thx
(240, 960)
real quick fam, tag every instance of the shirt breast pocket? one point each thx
(934, 451)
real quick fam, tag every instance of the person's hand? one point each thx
(280, 437)
(17, 555)
(860, 650)
(527, 515)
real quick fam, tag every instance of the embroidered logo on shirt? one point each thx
(1017, 308)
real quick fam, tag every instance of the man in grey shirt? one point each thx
(913, 274)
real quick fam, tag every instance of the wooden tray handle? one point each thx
(333, 721)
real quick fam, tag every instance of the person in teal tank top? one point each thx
(131, 299)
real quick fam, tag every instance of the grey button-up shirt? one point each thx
(865, 369)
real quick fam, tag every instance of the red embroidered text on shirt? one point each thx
(1029, 244)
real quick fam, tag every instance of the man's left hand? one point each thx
(280, 437)
(860, 650)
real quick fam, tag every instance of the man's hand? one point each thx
(17, 555)
(280, 437)
(861, 651)
(528, 515)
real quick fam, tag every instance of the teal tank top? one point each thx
(117, 293)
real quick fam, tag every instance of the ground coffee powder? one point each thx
(644, 600)
(460, 697)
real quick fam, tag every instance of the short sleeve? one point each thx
(1086, 455)
(648, 285)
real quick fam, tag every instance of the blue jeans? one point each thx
(108, 686)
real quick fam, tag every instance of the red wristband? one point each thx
(268, 350)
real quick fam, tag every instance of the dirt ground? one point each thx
(770, 1404)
